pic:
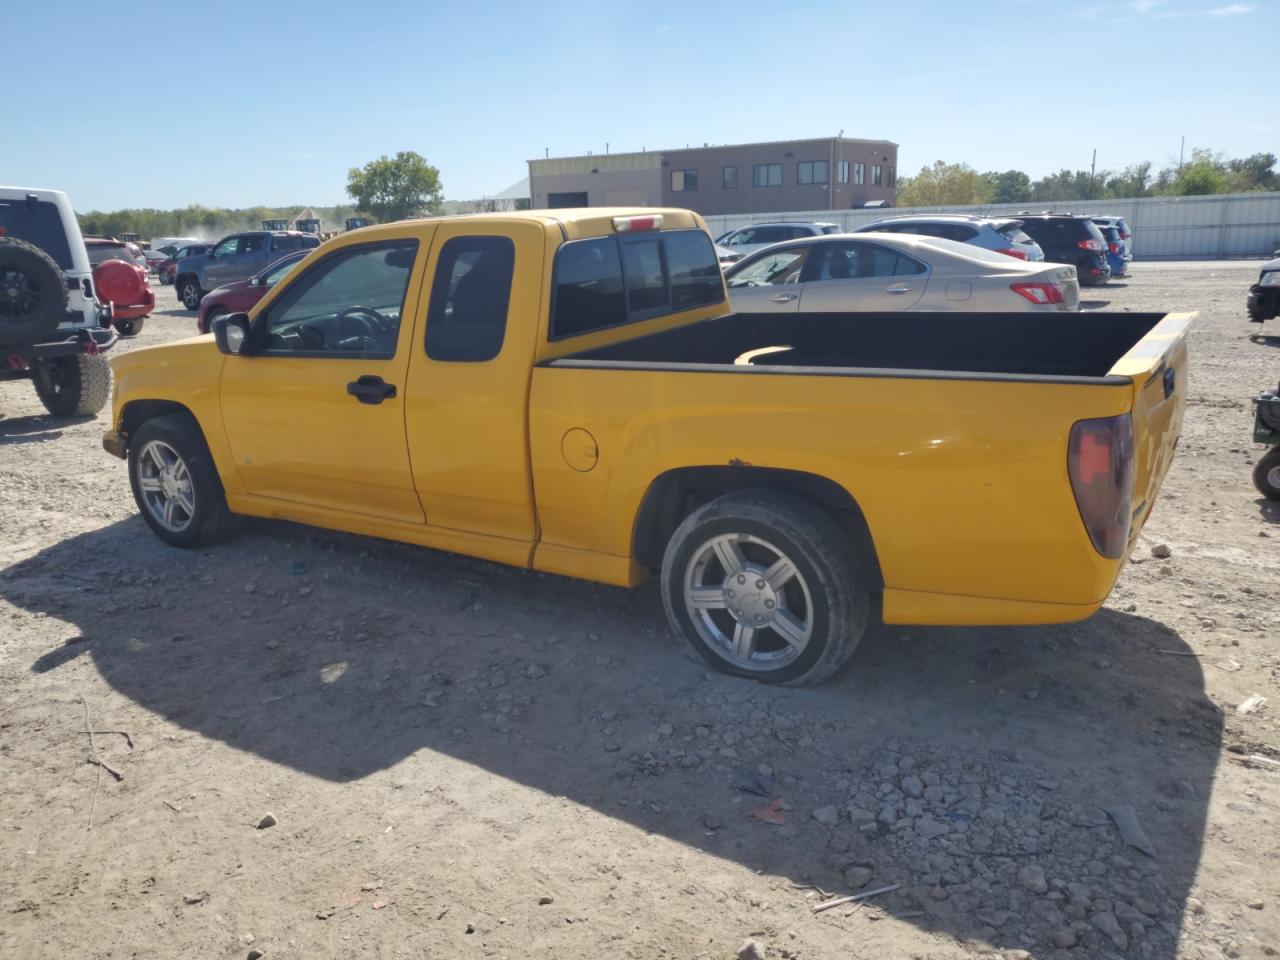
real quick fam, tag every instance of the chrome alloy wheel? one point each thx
(748, 601)
(166, 486)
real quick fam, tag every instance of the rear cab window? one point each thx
(607, 281)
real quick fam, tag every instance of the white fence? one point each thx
(1225, 225)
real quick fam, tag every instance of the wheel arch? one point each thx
(137, 412)
(673, 495)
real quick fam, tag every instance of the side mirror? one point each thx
(255, 281)
(231, 333)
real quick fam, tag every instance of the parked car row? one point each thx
(1098, 247)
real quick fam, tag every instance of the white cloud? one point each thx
(1232, 10)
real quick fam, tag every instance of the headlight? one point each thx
(1271, 279)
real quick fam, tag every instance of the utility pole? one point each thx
(1181, 147)
(1093, 168)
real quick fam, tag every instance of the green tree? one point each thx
(1011, 186)
(1257, 172)
(943, 184)
(1200, 178)
(1132, 181)
(394, 188)
(1069, 185)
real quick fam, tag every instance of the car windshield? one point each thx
(102, 252)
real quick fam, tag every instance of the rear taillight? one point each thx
(1114, 248)
(636, 224)
(1038, 292)
(1125, 236)
(1094, 245)
(1011, 252)
(1100, 464)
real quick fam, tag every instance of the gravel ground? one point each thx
(321, 746)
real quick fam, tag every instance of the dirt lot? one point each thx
(468, 760)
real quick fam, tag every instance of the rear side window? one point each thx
(39, 224)
(947, 231)
(607, 281)
(830, 228)
(467, 317)
(286, 243)
(1014, 233)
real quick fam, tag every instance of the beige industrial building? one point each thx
(831, 173)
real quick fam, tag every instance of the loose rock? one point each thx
(1032, 877)
(268, 821)
(751, 950)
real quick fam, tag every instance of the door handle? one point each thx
(371, 389)
(901, 288)
(784, 298)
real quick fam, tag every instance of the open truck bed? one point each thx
(951, 432)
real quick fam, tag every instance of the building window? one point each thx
(888, 176)
(684, 181)
(767, 175)
(859, 173)
(729, 178)
(875, 175)
(842, 171)
(811, 171)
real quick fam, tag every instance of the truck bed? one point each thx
(932, 345)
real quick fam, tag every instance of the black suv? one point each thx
(1069, 239)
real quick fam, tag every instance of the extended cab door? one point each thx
(317, 416)
(466, 407)
(858, 275)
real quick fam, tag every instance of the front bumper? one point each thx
(115, 444)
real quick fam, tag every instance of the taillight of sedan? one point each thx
(1041, 294)
(1014, 252)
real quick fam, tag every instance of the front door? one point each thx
(857, 275)
(220, 262)
(770, 282)
(317, 417)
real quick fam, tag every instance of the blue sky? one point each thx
(235, 104)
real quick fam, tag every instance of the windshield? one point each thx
(102, 252)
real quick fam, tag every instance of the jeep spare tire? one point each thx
(118, 282)
(33, 295)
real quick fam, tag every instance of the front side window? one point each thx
(842, 171)
(467, 318)
(811, 171)
(859, 173)
(684, 181)
(729, 178)
(227, 247)
(767, 175)
(782, 266)
(348, 304)
(278, 273)
(608, 281)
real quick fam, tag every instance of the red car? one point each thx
(168, 269)
(119, 280)
(240, 296)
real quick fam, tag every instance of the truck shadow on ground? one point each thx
(35, 428)
(340, 657)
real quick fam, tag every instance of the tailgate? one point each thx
(1157, 365)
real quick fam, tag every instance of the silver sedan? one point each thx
(891, 272)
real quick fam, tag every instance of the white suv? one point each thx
(53, 330)
(736, 244)
(1001, 234)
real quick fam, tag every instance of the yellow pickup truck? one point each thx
(565, 391)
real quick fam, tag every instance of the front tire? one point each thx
(190, 293)
(762, 585)
(76, 386)
(175, 483)
(1266, 474)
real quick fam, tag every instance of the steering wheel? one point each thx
(367, 317)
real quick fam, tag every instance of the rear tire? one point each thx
(763, 585)
(176, 484)
(1266, 474)
(129, 328)
(33, 295)
(76, 386)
